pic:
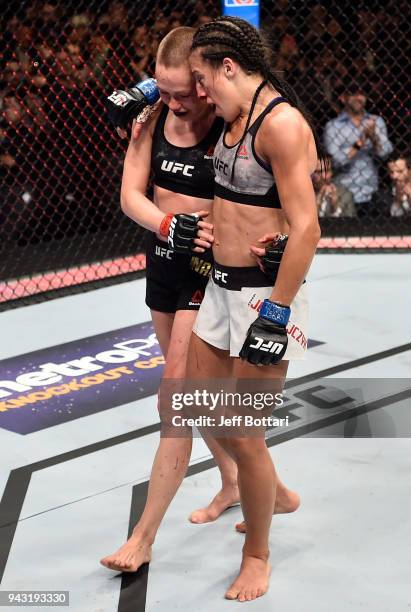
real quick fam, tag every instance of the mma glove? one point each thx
(266, 340)
(181, 231)
(124, 105)
(273, 254)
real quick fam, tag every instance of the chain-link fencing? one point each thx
(60, 221)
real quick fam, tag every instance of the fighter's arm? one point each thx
(136, 173)
(182, 232)
(292, 170)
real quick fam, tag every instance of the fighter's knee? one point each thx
(238, 447)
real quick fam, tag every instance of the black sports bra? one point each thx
(186, 170)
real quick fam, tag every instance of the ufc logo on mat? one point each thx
(268, 347)
(170, 166)
(220, 276)
(162, 252)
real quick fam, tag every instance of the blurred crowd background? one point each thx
(61, 162)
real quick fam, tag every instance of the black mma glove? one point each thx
(180, 231)
(273, 254)
(124, 105)
(266, 340)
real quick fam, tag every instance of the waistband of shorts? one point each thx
(234, 278)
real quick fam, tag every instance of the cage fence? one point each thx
(61, 226)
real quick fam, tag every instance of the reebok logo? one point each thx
(210, 153)
(242, 152)
(196, 298)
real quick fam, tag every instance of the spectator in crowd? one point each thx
(58, 60)
(355, 139)
(98, 50)
(78, 31)
(316, 85)
(142, 59)
(333, 200)
(115, 24)
(316, 23)
(396, 199)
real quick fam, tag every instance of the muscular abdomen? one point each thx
(237, 227)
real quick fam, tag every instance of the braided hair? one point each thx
(236, 38)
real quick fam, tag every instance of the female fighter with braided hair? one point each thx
(263, 164)
(177, 145)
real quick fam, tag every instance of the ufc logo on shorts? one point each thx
(118, 98)
(162, 252)
(268, 347)
(174, 167)
(220, 276)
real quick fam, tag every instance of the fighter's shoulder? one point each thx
(287, 127)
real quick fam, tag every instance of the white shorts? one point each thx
(231, 304)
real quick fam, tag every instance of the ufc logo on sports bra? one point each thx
(163, 252)
(220, 276)
(174, 167)
(267, 347)
(220, 166)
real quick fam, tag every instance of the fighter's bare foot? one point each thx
(224, 499)
(252, 581)
(129, 557)
(287, 501)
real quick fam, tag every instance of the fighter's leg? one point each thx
(228, 495)
(286, 500)
(256, 475)
(258, 486)
(171, 459)
(217, 364)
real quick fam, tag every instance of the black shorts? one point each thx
(175, 281)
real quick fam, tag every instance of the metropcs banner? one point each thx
(246, 9)
(68, 381)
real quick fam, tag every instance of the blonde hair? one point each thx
(175, 48)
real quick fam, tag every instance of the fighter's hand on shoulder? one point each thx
(136, 130)
(138, 127)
